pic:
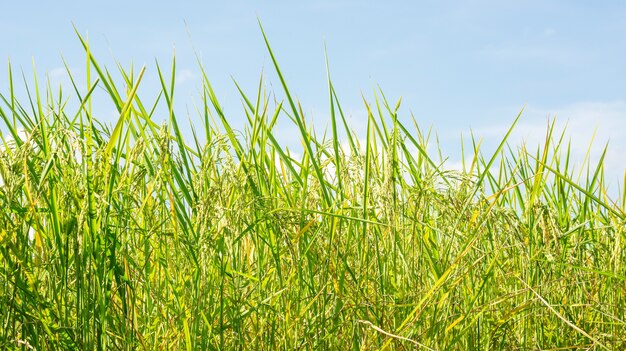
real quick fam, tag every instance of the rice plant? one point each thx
(133, 236)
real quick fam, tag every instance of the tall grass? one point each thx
(133, 236)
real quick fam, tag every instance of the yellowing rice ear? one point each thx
(8, 142)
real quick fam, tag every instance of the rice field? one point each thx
(135, 236)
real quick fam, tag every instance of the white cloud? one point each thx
(58, 75)
(548, 32)
(185, 76)
(581, 120)
(457, 165)
(537, 53)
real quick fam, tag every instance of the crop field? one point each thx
(140, 235)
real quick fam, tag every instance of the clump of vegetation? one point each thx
(133, 237)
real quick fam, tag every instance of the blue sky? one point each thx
(456, 64)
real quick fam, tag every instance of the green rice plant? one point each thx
(142, 236)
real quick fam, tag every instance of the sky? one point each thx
(459, 66)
